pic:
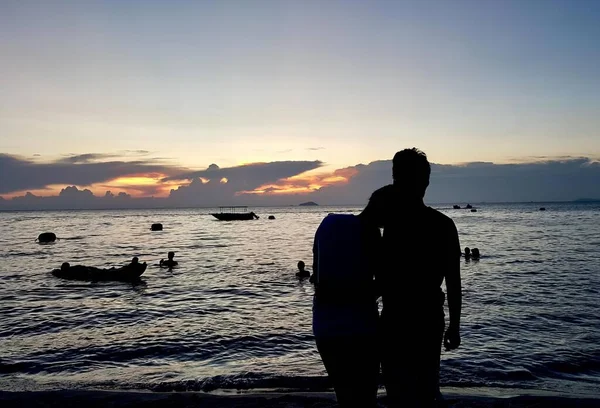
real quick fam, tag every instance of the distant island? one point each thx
(308, 203)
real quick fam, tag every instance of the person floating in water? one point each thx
(130, 272)
(170, 262)
(302, 273)
(467, 253)
(475, 253)
(135, 265)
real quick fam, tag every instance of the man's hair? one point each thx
(411, 171)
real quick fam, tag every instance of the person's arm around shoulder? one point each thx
(453, 289)
(375, 210)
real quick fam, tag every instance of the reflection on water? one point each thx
(233, 315)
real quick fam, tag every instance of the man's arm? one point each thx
(314, 276)
(454, 292)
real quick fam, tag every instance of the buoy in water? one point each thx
(156, 227)
(542, 208)
(47, 237)
(271, 217)
(473, 210)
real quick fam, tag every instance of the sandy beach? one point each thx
(135, 399)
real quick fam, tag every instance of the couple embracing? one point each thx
(354, 265)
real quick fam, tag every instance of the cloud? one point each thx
(548, 180)
(207, 187)
(73, 198)
(20, 174)
(315, 148)
(250, 176)
(142, 190)
(85, 158)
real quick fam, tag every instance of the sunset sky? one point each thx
(137, 93)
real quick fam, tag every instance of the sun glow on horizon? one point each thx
(136, 185)
(304, 183)
(154, 185)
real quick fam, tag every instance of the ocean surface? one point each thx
(233, 315)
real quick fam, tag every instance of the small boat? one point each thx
(128, 273)
(234, 213)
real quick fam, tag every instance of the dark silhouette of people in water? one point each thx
(170, 262)
(475, 254)
(345, 313)
(302, 273)
(467, 253)
(130, 272)
(412, 317)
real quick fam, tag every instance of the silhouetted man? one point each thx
(421, 249)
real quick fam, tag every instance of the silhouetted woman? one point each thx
(345, 313)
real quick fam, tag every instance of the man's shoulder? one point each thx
(439, 218)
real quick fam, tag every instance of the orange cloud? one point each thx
(136, 185)
(305, 183)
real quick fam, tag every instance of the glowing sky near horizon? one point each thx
(344, 82)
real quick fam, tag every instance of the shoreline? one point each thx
(455, 397)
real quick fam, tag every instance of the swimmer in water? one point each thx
(169, 263)
(467, 253)
(475, 253)
(302, 273)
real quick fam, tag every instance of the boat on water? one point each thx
(234, 213)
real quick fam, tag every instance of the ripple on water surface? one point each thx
(232, 314)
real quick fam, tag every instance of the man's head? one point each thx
(65, 266)
(301, 265)
(171, 255)
(135, 260)
(411, 171)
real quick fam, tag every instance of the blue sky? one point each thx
(341, 82)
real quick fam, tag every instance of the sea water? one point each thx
(232, 315)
